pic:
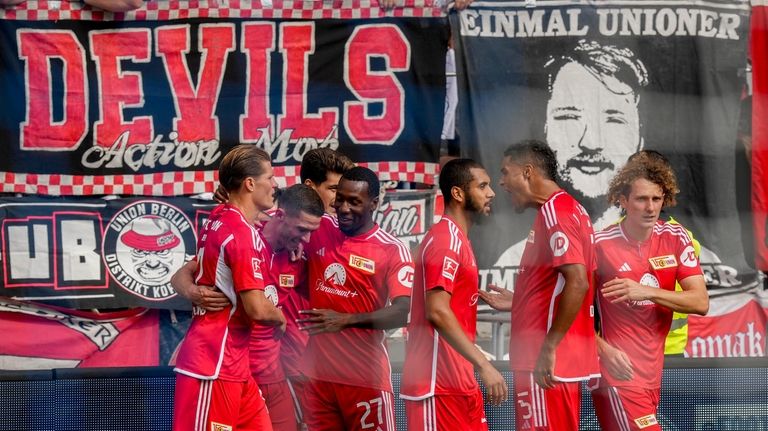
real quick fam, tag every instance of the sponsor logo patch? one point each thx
(256, 264)
(646, 421)
(271, 293)
(405, 276)
(661, 262)
(688, 257)
(531, 236)
(363, 264)
(559, 243)
(287, 280)
(336, 274)
(215, 426)
(450, 267)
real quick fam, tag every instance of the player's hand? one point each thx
(210, 298)
(500, 300)
(388, 4)
(544, 371)
(221, 195)
(495, 386)
(624, 289)
(296, 254)
(616, 362)
(462, 4)
(279, 331)
(322, 320)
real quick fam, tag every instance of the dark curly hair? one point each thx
(646, 166)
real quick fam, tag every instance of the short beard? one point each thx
(475, 210)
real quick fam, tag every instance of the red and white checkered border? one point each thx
(182, 183)
(163, 10)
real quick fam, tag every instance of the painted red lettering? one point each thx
(258, 42)
(118, 89)
(40, 131)
(297, 43)
(195, 104)
(389, 43)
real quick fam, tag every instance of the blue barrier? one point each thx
(697, 395)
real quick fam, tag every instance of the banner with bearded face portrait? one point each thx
(599, 82)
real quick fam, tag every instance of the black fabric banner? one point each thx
(96, 253)
(115, 107)
(599, 82)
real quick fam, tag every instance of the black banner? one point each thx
(96, 253)
(599, 82)
(120, 105)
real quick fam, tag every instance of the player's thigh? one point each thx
(280, 406)
(322, 412)
(253, 410)
(626, 409)
(191, 403)
(540, 409)
(366, 408)
(298, 385)
(202, 405)
(447, 413)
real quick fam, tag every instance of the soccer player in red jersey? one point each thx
(438, 381)
(639, 260)
(552, 343)
(214, 387)
(298, 214)
(321, 169)
(360, 281)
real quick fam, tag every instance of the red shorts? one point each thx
(298, 386)
(280, 405)
(204, 405)
(539, 409)
(447, 412)
(333, 407)
(626, 408)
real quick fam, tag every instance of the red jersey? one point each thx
(639, 328)
(562, 234)
(293, 345)
(354, 274)
(445, 260)
(229, 255)
(281, 276)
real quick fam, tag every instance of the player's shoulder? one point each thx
(390, 244)
(561, 207)
(446, 234)
(242, 230)
(328, 224)
(611, 232)
(671, 231)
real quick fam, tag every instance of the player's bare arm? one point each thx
(116, 5)
(500, 299)
(439, 314)
(615, 360)
(693, 299)
(391, 316)
(261, 310)
(208, 297)
(575, 289)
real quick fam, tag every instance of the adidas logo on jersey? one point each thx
(321, 252)
(625, 268)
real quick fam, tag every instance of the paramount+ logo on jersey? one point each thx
(144, 244)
